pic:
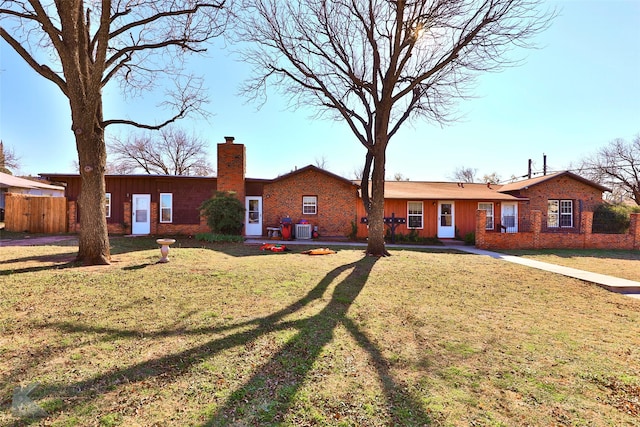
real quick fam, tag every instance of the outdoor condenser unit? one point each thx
(303, 231)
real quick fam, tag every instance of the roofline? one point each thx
(315, 168)
(544, 178)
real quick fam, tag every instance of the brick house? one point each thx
(315, 199)
(448, 209)
(163, 204)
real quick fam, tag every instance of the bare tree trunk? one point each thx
(375, 244)
(94, 238)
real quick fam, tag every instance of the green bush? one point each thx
(470, 238)
(224, 213)
(612, 218)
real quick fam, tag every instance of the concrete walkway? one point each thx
(614, 284)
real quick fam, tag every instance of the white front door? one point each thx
(253, 216)
(446, 220)
(141, 214)
(510, 217)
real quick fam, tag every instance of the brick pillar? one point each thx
(203, 226)
(73, 216)
(536, 227)
(231, 167)
(154, 218)
(586, 227)
(634, 230)
(481, 228)
(126, 229)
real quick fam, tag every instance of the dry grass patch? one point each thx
(229, 335)
(617, 263)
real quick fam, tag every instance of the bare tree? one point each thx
(8, 159)
(616, 165)
(83, 45)
(322, 162)
(169, 152)
(398, 176)
(491, 178)
(463, 174)
(375, 64)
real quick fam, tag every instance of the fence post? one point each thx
(481, 228)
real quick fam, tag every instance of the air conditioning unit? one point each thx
(303, 231)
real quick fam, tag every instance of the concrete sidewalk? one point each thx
(614, 284)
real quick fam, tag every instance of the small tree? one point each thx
(224, 213)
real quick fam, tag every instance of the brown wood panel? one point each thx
(35, 214)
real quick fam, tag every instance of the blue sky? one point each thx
(574, 94)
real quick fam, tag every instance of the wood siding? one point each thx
(35, 214)
(464, 216)
(188, 194)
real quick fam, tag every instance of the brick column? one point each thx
(536, 227)
(154, 217)
(231, 168)
(586, 227)
(634, 230)
(481, 228)
(126, 229)
(73, 216)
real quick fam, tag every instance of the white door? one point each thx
(253, 216)
(510, 217)
(141, 214)
(446, 220)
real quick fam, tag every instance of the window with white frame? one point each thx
(414, 214)
(166, 207)
(560, 213)
(309, 205)
(108, 204)
(488, 207)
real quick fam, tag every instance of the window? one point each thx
(488, 207)
(560, 213)
(309, 205)
(108, 204)
(414, 214)
(166, 207)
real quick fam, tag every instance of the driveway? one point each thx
(36, 241)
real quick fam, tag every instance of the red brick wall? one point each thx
(336, 202)
(536, 239)
(559, 188)
(231, 167)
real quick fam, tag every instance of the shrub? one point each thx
(611, 218)
(470, 238)
(224, 213)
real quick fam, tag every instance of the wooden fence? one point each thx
(35, 214)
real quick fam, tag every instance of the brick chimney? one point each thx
(231, 167)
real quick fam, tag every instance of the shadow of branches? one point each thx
(274, 383)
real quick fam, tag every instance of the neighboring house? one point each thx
(13, 184)
(448, 210)
(317, 199)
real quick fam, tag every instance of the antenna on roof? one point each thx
(529, 173)
(544, 164)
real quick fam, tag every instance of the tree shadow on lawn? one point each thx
(274, 384)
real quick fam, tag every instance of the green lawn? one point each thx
(229, 335)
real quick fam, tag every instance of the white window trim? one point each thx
(569, 214)
(421, 215)
(169, 207)
(490, 218)
(310, 201)
(559, 215)
(108, 204)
